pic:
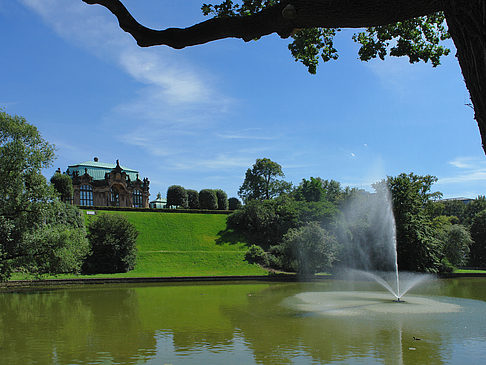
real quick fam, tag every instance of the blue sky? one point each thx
(201, 116)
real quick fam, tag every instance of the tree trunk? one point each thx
(467, 25)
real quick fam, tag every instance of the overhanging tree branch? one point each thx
(282, 19)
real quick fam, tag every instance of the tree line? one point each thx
(315, 226)
(320, 226)
(211, 199)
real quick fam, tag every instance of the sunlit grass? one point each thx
(179, 244)
(466, 271)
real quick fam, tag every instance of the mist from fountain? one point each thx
(369, 231)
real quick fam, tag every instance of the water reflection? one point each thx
(230, 323)
(73, 327)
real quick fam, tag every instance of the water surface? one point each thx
(240, 323)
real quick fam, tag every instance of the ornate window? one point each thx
(86, 195)
(115, 197)
(137, 199)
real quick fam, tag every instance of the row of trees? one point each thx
(432, 235)
(212, 199)
(39, 233)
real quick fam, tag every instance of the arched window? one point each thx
(115, 197)
(86, 195)
(137, 199)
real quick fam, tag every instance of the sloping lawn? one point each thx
(183, 244)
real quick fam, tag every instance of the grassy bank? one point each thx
(469, 271)
(182, 244)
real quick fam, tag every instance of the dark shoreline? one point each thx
(185, 279)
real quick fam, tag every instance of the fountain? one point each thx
(368, 227)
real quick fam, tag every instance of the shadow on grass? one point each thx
(229, 236)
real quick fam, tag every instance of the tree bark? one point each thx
(467, 25)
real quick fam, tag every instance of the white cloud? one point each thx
(172, 80)
(471, 169)
(173, 98)
(465, 162)
(219, 162)
(250, 133)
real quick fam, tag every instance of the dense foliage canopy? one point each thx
(38, 234)
(478, 234)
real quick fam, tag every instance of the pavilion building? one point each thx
(98, 184)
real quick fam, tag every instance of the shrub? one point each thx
(445, 266)
(208, 199)
(256, 255)
(222, 199)
(177, 196)
(234, 203)
(192, 199)
(113, 245)
(308, 249)
(456, 243)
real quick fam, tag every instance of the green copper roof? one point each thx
(97, 170)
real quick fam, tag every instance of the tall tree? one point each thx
(417, 246)
(234, 203)
(177, 196)
(208, 199)
(192, 199)
(222, 199)
(310, 190)
(473, 208)
(261, 181)
(413, 28)
(38, 234)
(63, 185)
(478, 234)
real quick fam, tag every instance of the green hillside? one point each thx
(185, 244)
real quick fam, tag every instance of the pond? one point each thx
(328, 322)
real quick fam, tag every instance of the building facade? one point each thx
(158, 203)
(98, 184)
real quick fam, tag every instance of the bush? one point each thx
(177, 196)
(308, 249)
(256, 255)
(222, 199)
(208, 199)
(456, 242)
(445, 266)
(234, 203)
(113, 245)
(63, 237)
(192, 199)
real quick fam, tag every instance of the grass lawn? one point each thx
(465, 271)
(181, 244)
